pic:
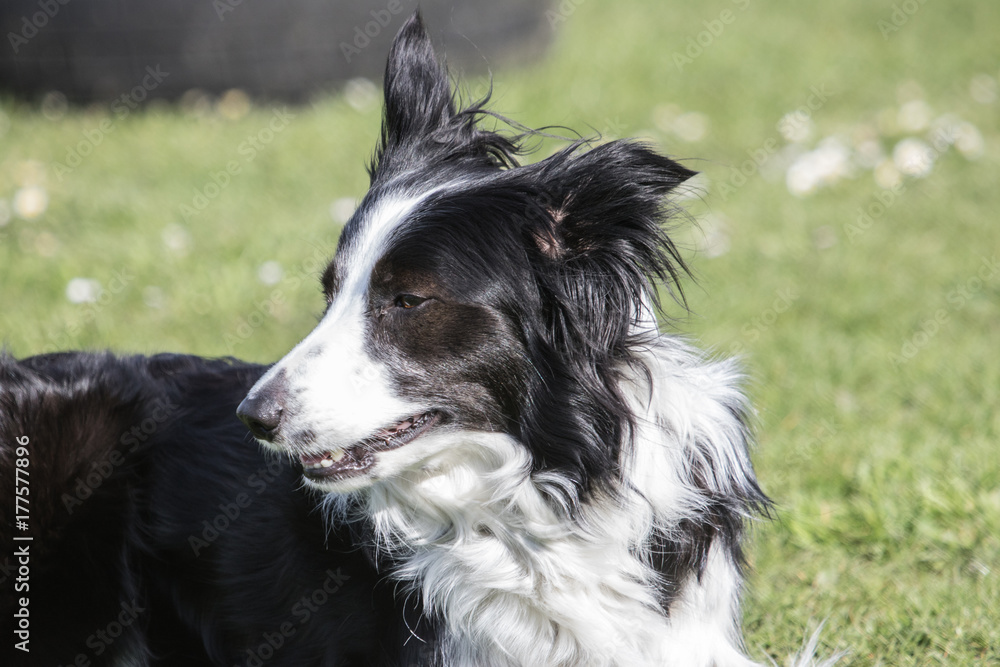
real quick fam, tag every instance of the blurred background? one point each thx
(173, 176)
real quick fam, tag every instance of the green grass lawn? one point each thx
(872, 342)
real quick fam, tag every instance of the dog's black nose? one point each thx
(261, 410)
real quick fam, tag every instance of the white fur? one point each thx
(518, 582)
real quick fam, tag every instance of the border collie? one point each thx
(488, 454)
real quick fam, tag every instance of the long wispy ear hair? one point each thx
(601, 256)
(421, 120)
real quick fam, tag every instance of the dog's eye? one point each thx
(408, 301)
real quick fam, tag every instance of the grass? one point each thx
(877, 382)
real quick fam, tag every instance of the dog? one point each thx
(485, 454)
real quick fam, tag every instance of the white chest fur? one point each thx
(517, 582)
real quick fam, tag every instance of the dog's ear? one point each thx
(602, 238)
(596, 240)
(421, 123)
(418, 97)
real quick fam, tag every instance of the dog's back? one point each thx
(160, 534)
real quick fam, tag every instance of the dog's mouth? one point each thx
(358, 458)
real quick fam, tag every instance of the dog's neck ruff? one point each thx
(513, 579)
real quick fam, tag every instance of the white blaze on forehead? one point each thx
(369, 245)
(336, 390)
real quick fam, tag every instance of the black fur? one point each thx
(147, 493)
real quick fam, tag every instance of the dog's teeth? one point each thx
(328, 460)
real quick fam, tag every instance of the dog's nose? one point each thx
(261, 414)
(262, 409)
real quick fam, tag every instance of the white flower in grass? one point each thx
(176, 238)
(664, 116)
(825, 165)
(270, 273)
(83, 290)
(154, 297)
(969, 141)
(913, 157)
(54, 105)
(691, 126)
(802, 177)
(796, 127)
(30, 202)
(234, 104)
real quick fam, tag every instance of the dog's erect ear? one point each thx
(417, 92)
(595, 232)
(602, 233)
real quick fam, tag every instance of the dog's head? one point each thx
(472, 295)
